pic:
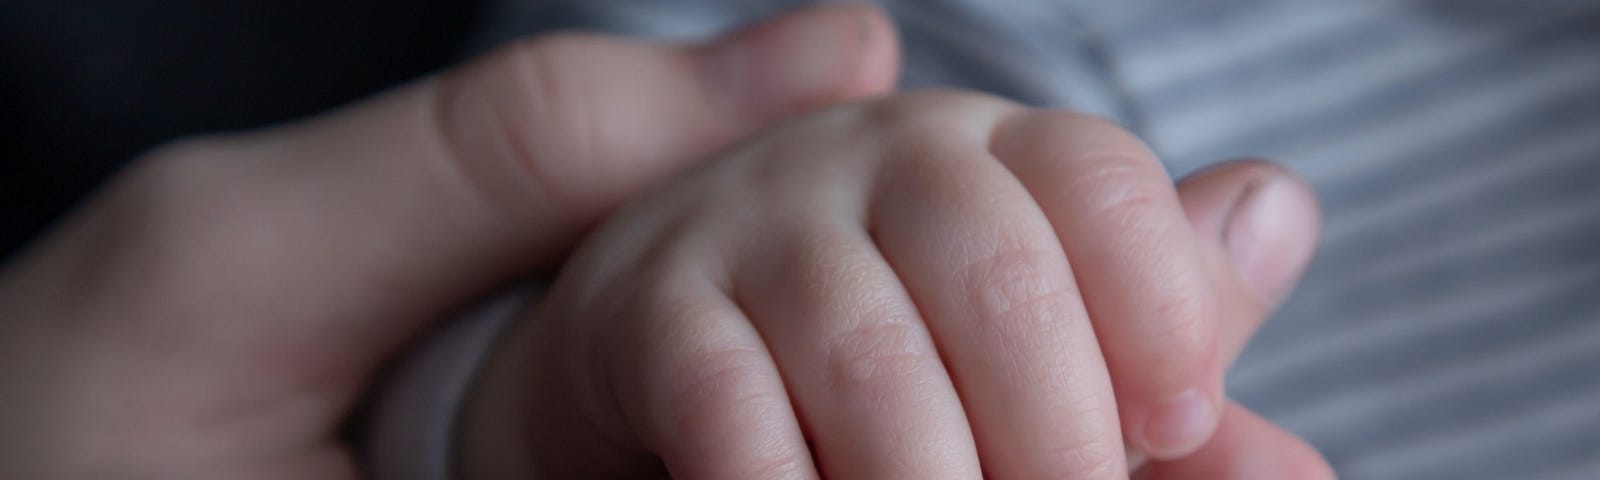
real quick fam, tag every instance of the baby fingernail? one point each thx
(1179, 424)
(1271, 234)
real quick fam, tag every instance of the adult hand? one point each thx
(219, 307)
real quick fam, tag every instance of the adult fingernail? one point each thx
(1179, 424)
(1271, 233)
(800, 59)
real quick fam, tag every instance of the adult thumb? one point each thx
(556, 130)
(570, 123)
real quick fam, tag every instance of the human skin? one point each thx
(937, 284)
(221, 306)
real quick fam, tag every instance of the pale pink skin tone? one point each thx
(217, 311)
(932, 285)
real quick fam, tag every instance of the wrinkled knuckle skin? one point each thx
(1122, 189)
(884, 360)
(872, 340)
(547, 94)
(1014, 298)
(716, 382)
(508, 117)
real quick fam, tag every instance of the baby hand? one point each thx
(935, 285)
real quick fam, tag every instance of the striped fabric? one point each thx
(1450, 327)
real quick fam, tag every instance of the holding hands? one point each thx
(929, 285)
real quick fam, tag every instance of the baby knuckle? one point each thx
(885, 358)
(827, 267)
(1014, 295)
(716, 382)
(1123, 189)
